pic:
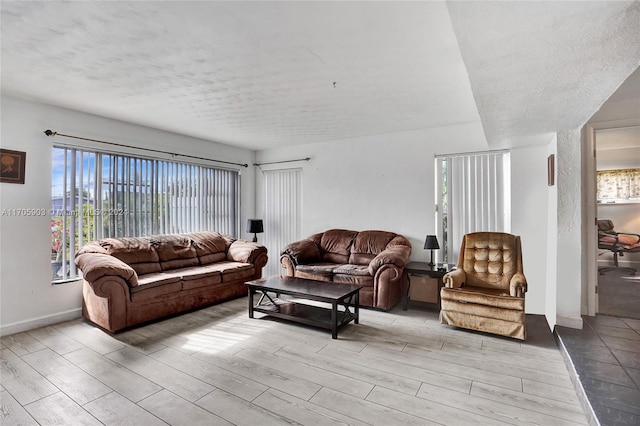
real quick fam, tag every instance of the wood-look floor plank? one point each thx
(238, 411)
(303, 412)
(309, 372)
(20, 379)
(530, 402)
(485, 407)
(124, 381)
(184, 385)
(90, 336)
(488, 371)
(558, 393)
(177, 411)
(267, 376)
(232, 383)
(134, 340)
(72, 380)
(22, 344)
(366, 411)
(375, 376)
(56, 341)
(12, 413)
(114, 409)
(429, 410)
(59, 409)
(443, 369)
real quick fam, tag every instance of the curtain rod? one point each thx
(280, 162)
(52, 133)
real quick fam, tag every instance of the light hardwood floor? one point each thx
(216, 366)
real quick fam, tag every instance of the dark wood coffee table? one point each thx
(346, 296)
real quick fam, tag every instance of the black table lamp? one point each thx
(254, 226)
(431, 243)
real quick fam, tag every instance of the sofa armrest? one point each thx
(518, 285)
(454, 279)
(397, 255)
(247, 252)
(97, 265)
(301, 252)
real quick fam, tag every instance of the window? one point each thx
(472, 194)
(618, 186)
(97, 195)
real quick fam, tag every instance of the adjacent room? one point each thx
(230, 212)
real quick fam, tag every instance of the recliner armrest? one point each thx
(518, 285)
(455, 278)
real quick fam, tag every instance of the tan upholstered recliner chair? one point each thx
(486, 291)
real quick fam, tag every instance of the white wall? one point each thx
(552, 242)
(387, 182)
(569, 265)
(27, 297)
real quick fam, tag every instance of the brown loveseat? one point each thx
(129, 281)
(373, 259)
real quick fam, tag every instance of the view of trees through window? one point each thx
(97, 195)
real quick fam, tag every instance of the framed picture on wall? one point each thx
(12, 166)
(551, 170)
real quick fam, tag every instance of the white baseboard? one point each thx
(570, 322)
(19, 327)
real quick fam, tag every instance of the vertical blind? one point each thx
(283, 213)
(97, 195)
(472, 194)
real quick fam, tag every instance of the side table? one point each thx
(423, 269)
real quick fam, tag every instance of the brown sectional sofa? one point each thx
(128, 281)
(373, 259)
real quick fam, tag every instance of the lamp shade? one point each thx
(431, 243)
(254, 226)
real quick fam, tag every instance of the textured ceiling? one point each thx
(262, 74)
(539, 67)
(257, 75)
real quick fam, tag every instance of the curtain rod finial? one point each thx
(50, 132)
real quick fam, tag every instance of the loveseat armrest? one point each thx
(301, 252)
(97, 265)
(518, 285)
(454, 279)
(247, 252)
(396, 255)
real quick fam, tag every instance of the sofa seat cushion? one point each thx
(363, 280)
(232, 271)
(483, 296)
(156, 284)
(355, 270)
(322, 268)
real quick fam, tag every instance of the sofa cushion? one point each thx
(232, 271)
(174, 251)
(367, 244)
(136, 252)
(335, 245)
(156, 284)
(323, 268)
(355, 270)
(210, 246)
(363, 280)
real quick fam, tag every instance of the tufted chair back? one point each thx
(490, 259)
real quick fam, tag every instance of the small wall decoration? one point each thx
(551, 170)
(12, 166)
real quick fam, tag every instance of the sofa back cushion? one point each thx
(335, 245)
(490, 259)
(367, 245)
(210, 247)
(135, 252)
(174, 251)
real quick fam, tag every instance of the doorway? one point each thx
(617, 155)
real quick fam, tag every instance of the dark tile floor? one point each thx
(605, 355)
